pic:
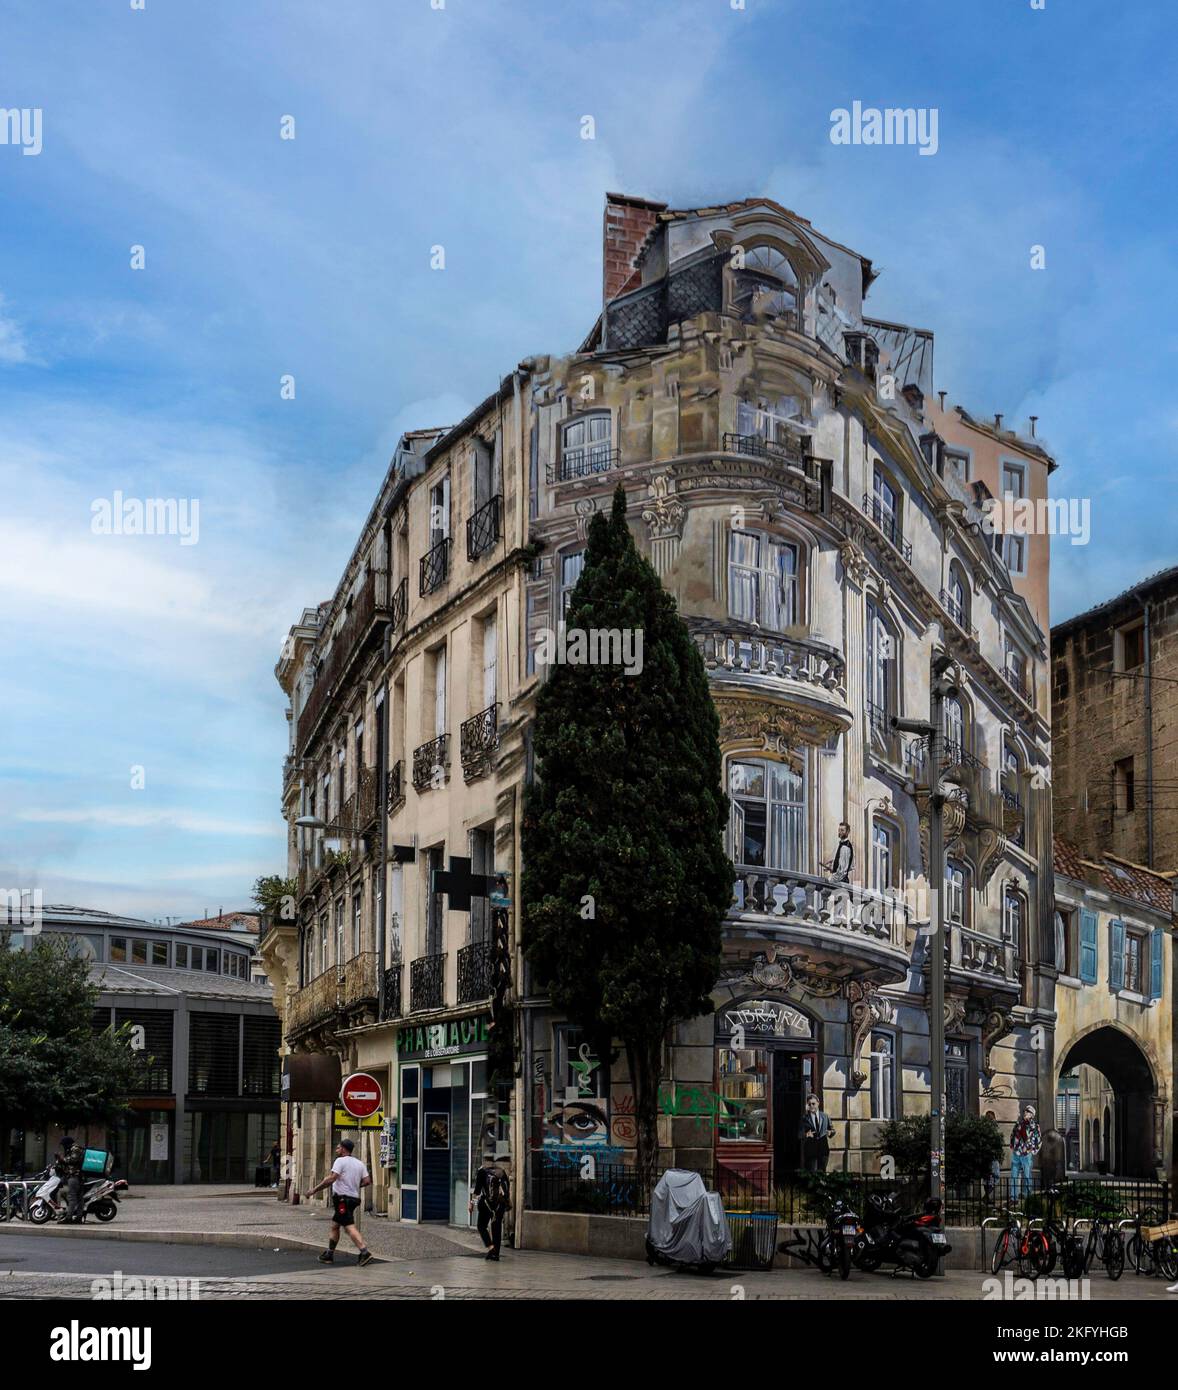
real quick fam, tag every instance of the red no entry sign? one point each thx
(361, 1095)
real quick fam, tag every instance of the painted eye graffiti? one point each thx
(578, 1123)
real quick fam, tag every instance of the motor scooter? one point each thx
(688, 1226)
(100, 1199)
(901, 1238)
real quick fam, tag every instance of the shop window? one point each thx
(742, 1077)
(768, 814)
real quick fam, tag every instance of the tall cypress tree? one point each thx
(625, 878)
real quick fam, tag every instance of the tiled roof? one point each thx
(226, 921)
(1120, 877)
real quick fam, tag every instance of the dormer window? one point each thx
(766, 285)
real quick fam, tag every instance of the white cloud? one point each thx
(12, 343)
(193, 822)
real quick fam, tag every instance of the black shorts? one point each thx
(343, 1209)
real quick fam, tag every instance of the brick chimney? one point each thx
(627, 222)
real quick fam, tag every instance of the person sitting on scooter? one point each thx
(69, 1168)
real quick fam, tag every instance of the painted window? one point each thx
(768, 814)
(883, 854)
(1013, 918)
(586, 445)
(762, 580)
(571, 566)
(883, 1076)
(1088, 947)
(956, 895)
(882, 653)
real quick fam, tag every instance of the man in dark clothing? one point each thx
(815, 1132)
(844, 856)
(491, 1191)
(69, 1168)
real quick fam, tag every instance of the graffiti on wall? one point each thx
(731, 1118)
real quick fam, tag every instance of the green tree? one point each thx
(54, 1066)
(971, 1144)
(625, 879)
(275, 895)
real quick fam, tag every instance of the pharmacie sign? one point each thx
(449, 1039)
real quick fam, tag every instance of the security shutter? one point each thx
(155, 1060)
(212, 1054)
(260, 1062)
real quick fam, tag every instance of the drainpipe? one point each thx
(1148, 741)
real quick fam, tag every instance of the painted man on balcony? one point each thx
(844, 856)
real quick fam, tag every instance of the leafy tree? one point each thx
(971, 1144)
(275, 895)
(625, 879)
(53, 1065)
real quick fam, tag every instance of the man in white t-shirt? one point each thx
(348, 1175)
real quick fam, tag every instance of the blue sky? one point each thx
(461, 126)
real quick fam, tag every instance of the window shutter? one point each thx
(1088, 948)
(1157, 937)
(1116, 955)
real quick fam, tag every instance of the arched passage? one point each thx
(1123, 1132)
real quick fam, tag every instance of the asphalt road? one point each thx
(43, 1254)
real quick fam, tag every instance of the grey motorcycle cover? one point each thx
(687, 1222)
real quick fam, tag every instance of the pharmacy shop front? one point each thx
(447, 1114)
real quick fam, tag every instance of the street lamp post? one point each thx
(943, 683)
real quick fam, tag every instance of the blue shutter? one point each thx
(1157, 937)
(1116, 955)
(1088, 948)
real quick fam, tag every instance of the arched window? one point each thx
(882, 657)
(586, 445)
(768, 814)
(765, 283)
(1014, 916)
(956, 893)
(762, 580)
(957, 596)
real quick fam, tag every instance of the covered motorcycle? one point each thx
(688, 1226)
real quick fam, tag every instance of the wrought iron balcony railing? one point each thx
(427, 983)
(396, 796)
(475, 974)
(336, 990)
(1017, 683)
(431, 762)
(399, 610)
(757, 446)
(435, 566)
(887, 522)
(478, 737)
(390, 991)
(956, 611)
(482, 529)
(584, 462)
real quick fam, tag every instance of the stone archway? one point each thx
(1126, 1129)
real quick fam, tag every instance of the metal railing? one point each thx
(1016, 683)
(758, 446)
(482, 528)
(334, 990)
(475, 972)
(396, 795)
(887, 522)
(399, 609)
(435, 566)
(390, 991)
(478, 737)
(427, 983)
(584, 462)
(956, 611)
(431, 762)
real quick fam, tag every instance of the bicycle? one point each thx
(1105, 1243)
(1149, 1256)
(1019, 1245)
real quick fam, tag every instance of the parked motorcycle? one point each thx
(100, 1199)
(904, 1239)
(688, 1227)
(836, 1250)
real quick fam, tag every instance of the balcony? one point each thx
(313, 868)
(427, 983)
(884, 740)
(974, 954)
(359, 811)
(1017, 683)
(399, 609)
(368, 610)
(396, 797)
(957, 612)
(483, 528)
(795, 670)
(475, 972)
(431, 763)
(390, 991)
(886, 521)
(846, 928)
(478, 737)
(435, 566)
(335, 995)
(585, 462)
